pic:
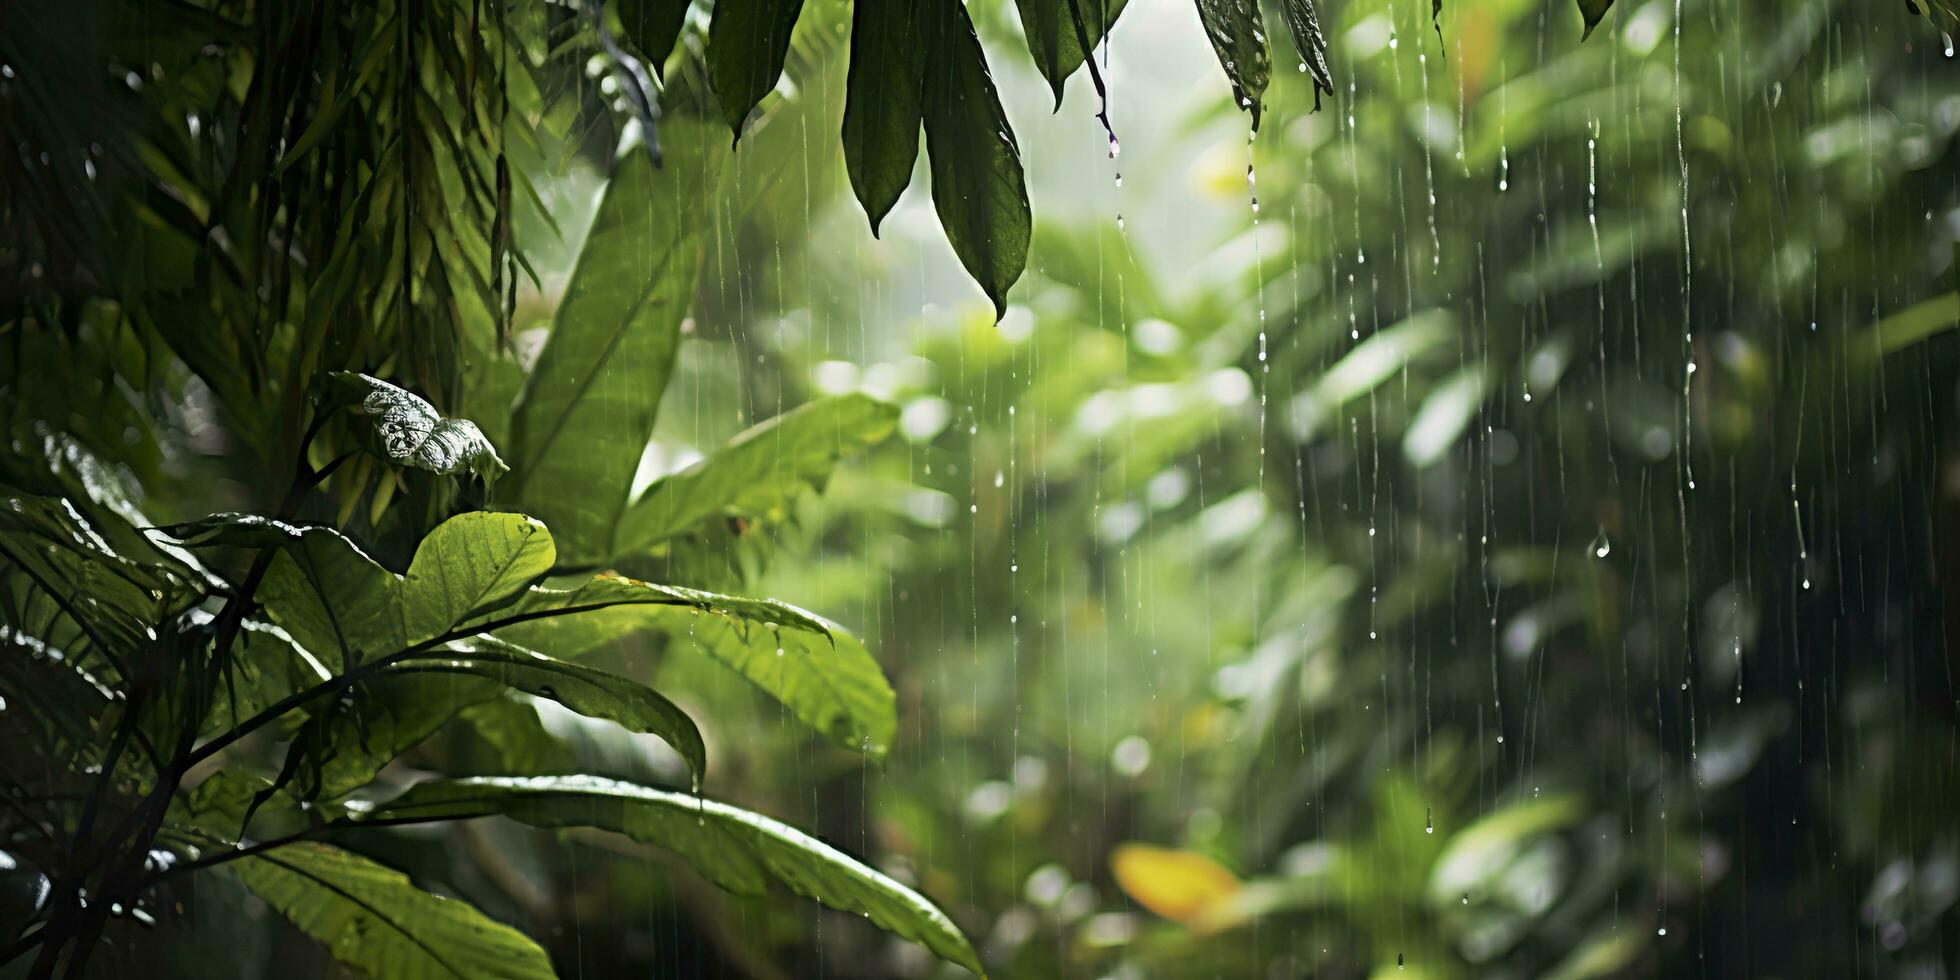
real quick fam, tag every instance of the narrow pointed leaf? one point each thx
(1238, 37)
(588, 407)
(816, 669)
(374, 921)
(1304, 23)
(882, 103)
(757, 470)
(652, 26)
(1053, 39)
(978, 186)
(747, 41)
(588, 691)
(737, 849)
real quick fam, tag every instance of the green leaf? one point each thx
(266, 665)
(882, 103)
(1593, 11)
(587, 410)
(758, 470)
(652, 26)
(351, 738)
(813, 667)
(469, 565)
(747, 41)
(231, 529)
(1945, 14)
(1053, 39)
(737, 849)
(1304, 23)
(515, 736)
(61, 582)
(408, 431)
(590, 692)
(978, 187)
(373, 920)
(336, 601)
(1238, 37)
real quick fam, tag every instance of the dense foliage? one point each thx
(1505, 529)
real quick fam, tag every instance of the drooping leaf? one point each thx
(588, 407)
(1304, 23)
(652, 26)
(757, 470)
(978, 187)
(408, 431)
(469, 565)
(590, 692)
(373, 920)
(882, 103)
(60, 580)
(1053, 38)
(747, 41)
(516, 738)
(340, 605)
(1182, 886)
(1238, 37)
(737, 849)
(815, 668)
(1593, 11)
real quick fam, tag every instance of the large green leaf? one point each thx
(1238, 37)
(747, 41)
(757, 470)
(350, 739)
(882, 108)
(588, 691)
(1054, 38)
(588, 407)
(652, 26)
(340, 605)
(736, 848)
(373, 920)
(469, 565)
(815, 668)
(978, 187)
(1311, 44)
(408, 431)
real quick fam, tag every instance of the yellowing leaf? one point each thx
(1182, 886)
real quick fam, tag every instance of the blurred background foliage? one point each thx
(1501, 524)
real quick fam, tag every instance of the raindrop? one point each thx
(1601, 547)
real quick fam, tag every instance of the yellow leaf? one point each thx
(1181, 886)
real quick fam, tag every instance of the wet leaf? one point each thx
(588, 407)
(735, 848)
(1304, 23)
(407, 430)
(758, 470)
(373, 920)
(883, 103)
(747, 41)
(470, 565)
(978, 187)
(1238, 37)
(1053, 38)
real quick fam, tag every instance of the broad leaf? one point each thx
(588, 407)
(1238, 37)
(1304, 23)
(469, 565)
(340, 605)
(351, 738)
(1055, 35)
(1594, 10)
(408, 431)
(757, 470)
(373, 920)
(882, 108)
(652, 26)
(266, 665)
(588, 691)
(735, 848)
(815, 668)
(978, 186)
(747, 41)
